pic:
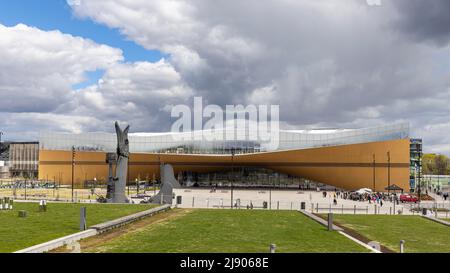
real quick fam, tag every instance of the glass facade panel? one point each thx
(199, 143)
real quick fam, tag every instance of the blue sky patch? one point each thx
(92, 78)
(37, 13)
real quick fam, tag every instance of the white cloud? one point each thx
(186, 59)
(38, 68)
(264, 96)
(134, 92)
(30, 124)
(326, 63)
(167, 22)
(142, 83)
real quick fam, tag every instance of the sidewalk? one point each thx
(283, 200)
(438, 198)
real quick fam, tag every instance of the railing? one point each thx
(431, 206)
(225, 203)
(64, 194)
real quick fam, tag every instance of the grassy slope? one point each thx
(213, 231)
(59, 220)
(421, 235)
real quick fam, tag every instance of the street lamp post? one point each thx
(374, 166)
(420, 176)
(59, 182)
(270, 197)
(439, 184)
(95, 183)
(232, 174)
(128, 175)
(73, 169)
(1, 133)
(160, 174)
(137, 186)
(154, 182)
(25, 188)
(389, 171)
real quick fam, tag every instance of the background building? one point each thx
(416, 162)
(24, 159)
(436, 181)
(4, 160)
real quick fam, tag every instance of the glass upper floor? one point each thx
(200, 142)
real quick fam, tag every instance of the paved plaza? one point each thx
(221, 198)
(288, 200)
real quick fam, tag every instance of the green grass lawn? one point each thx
(421, 235)
(59, 220)
(232, 231)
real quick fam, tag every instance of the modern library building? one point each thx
(349, 159)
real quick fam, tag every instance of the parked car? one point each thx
(408, 198)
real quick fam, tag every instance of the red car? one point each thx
(408, 198)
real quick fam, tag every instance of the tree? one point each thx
(441, 164)
(428, 164)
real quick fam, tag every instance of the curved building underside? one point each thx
(348, 159)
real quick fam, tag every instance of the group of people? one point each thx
(444, 195)
(377, 198)
(438, 191)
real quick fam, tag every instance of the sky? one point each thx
(78, 65)
(57, 15)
